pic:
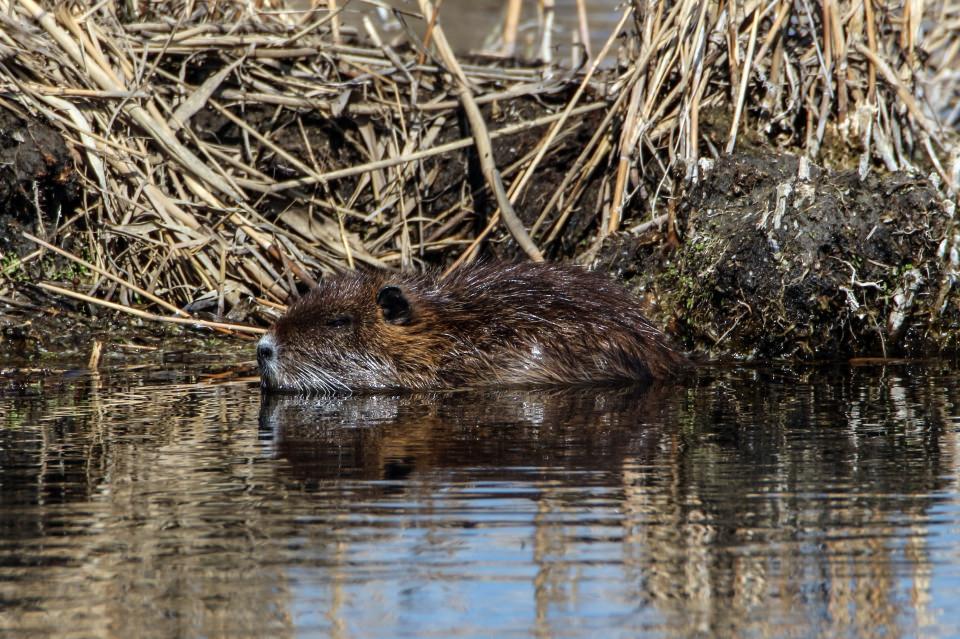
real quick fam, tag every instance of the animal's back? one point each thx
(549, 323)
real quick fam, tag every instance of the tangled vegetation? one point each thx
(206, 161)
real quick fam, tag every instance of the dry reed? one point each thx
(228, 152)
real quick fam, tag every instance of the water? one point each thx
(476, 25)
(746, 502)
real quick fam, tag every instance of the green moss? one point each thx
(11, 267)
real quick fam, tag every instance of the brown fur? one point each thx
(486, 325)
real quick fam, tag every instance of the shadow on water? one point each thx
(751, 502)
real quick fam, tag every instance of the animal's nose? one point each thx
(266, 351)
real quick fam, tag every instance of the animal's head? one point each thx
(354, 331)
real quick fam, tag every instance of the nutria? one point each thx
(486, 325)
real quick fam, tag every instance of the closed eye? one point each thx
(340, 321)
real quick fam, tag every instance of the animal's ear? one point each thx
(395, 305)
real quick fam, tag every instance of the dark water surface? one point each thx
(757, 503)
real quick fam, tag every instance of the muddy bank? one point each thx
(39, 344)
(767, 256)
(266, 149)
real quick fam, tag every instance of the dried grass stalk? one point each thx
(236, 153)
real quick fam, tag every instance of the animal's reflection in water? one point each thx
(388, 437)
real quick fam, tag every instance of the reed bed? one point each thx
(229, 153)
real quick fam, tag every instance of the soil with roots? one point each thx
(781, 259)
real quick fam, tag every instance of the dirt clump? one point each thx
(784, 259)
(38, 182)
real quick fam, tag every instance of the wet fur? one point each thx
(486, 325)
